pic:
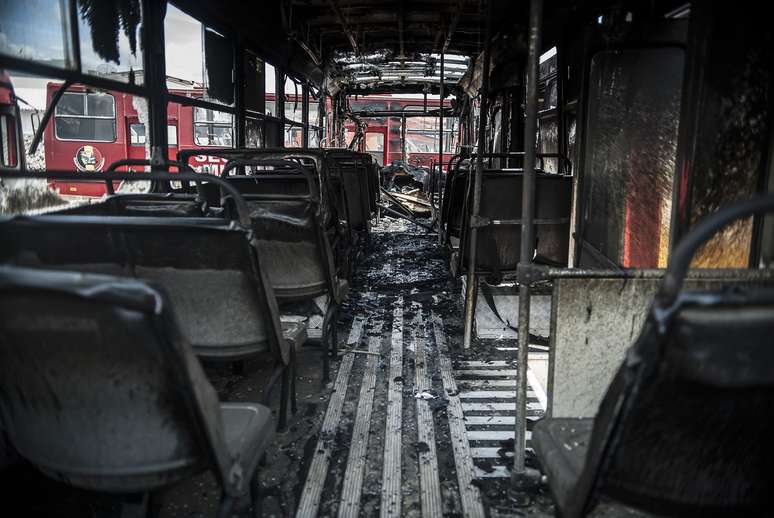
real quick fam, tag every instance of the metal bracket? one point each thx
(530, 273)
(477, 221)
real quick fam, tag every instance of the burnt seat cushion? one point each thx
(561, 445)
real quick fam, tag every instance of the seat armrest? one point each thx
(294, 332)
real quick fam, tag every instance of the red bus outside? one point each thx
(383, 134)
(10, 130)
(90, 130)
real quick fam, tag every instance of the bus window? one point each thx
(7, 141)
(314, 137)
(34, 31)
(253, 133)
(271, 89)
(137, 134)
(293, 136)
(293, 100)
(86, 116)
(213, 128)
(374, 146)
(422, 134)
(172, 134)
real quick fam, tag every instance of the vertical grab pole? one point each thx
(437, 178)
(471, 288)
(155, 78)
(527, 239)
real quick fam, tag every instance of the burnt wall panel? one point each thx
(726, 150)
(632, 123)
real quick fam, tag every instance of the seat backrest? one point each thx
(97, 387)
(695, 436)
(454, 199)
(373, 185)
(351, 170)
(207, 266)
(286, 220)
(147, 204)
(684, 427)
(312, 159)
(499, 242)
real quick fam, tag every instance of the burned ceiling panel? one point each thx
(368, 45)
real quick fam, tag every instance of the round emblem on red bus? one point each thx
(88, 158)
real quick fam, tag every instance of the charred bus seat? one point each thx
(682, 429)
(453, 202)
(332, 196)
(100, 389)
(216, 287)
(146, 204)
(499, 235)
(297, 248)
(373, 186)
(285, 212)
(352, 170)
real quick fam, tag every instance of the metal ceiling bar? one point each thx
(520, 478)
(401, 28)
(452, 26)
(344, 26)
(471, 287)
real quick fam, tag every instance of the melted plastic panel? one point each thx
(634, 106)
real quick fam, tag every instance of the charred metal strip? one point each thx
(352, 487)
(472, 283)
(429, 483)
(315, 479)
(463, 461)
(391, 468)
(527, 238)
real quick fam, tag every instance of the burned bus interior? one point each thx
(459, 258)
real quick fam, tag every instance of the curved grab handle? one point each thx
(243, 214)
(143, 162)
(680, 259)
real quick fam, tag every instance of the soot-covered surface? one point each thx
(383, 431)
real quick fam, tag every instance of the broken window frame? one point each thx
(184, 100)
